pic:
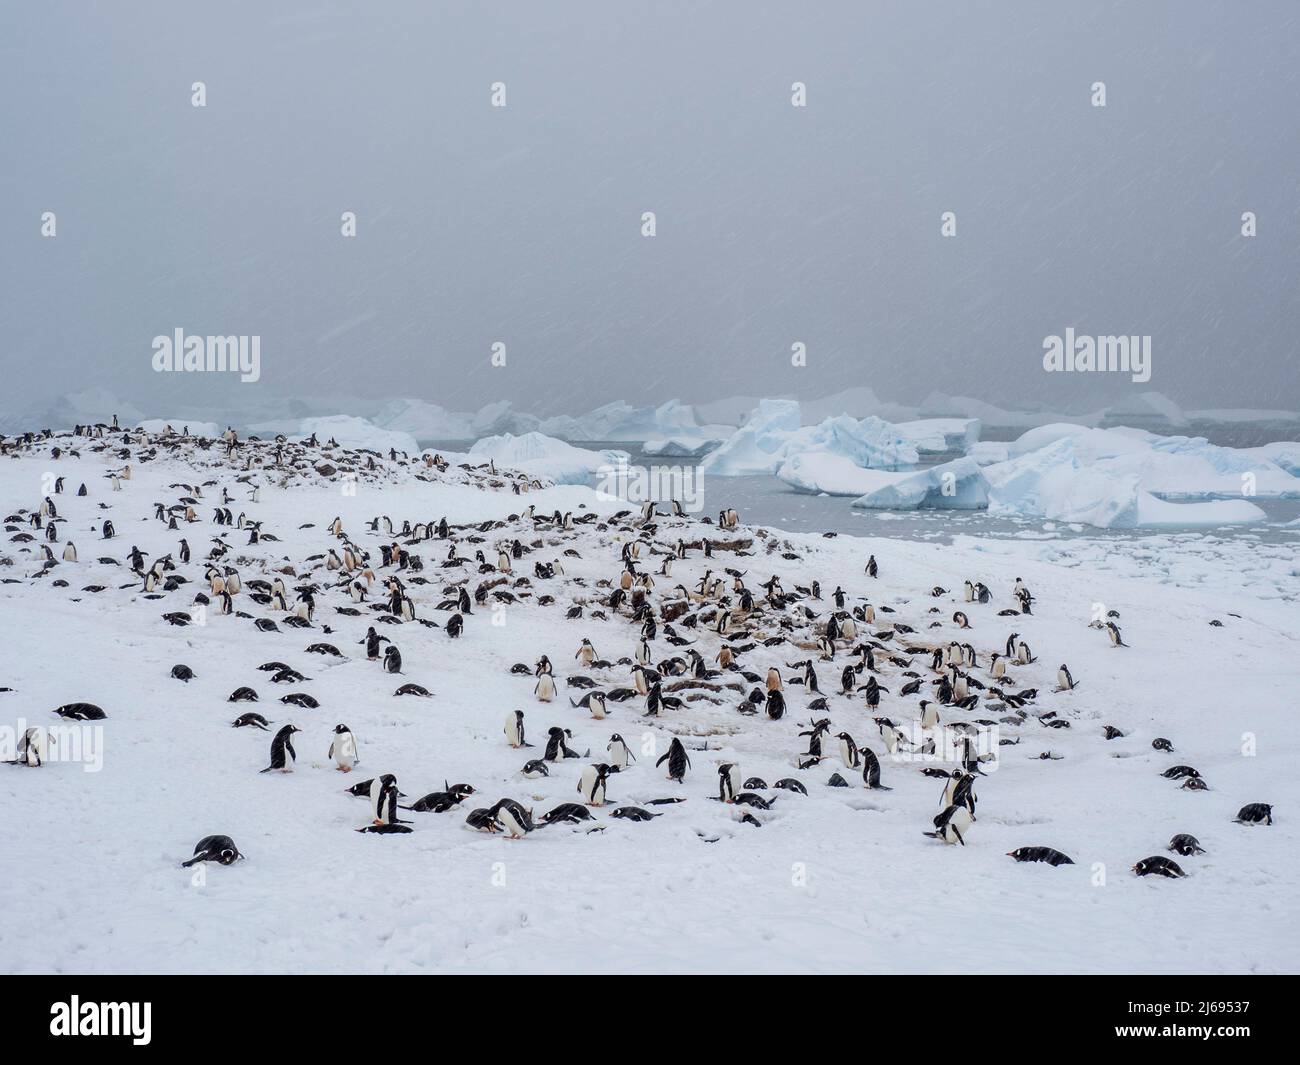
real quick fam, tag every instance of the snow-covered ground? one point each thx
(839, 880)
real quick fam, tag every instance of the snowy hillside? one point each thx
(840, 879)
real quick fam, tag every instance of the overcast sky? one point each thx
(775, 224)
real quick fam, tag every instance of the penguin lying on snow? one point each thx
(1040, 854)
(1186, 845)
(1159, 865)
(1255, 813)
(440, 801)
(219, 849)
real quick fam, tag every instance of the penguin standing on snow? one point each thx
(775, 704)
(849, 751)
(678, 760)
(619, 754)
(372, 641)
(960, 791)
(282, 753)
(952, 825)
(392, 659)
(33, 748)
(1064, 680)
(592, 783)
(515, 729)
(343, 749)
(728, 782)
(383, 800)
(545, 688)
(871, 770)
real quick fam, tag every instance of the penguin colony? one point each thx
(706, 625)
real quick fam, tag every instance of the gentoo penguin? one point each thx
(596, 704)
(33, 748)
(80, 712)
(775, 707)
(871, 770)
(438, 802)
(513, 818)
(1116, 640)
(282, 753)
(392, 659)
(952, 825)
(545, 688)
(729, 784)
(678, 760)
(890, 733)
(1186, 845)
(557, 746)
(383, 800)
(929, 714)
(219, 849)
(372, 640)
(960, 791)
(586, 653)
(514, 729)
(873, 570)
(343, 748)
(773, 679)
(592, 783)
(848, 751)
(70, 552)
(1255, 813)
(1040, 854)
(1064, 681)
(1159, 865)
(619, 754)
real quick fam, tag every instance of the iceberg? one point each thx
(940, 436)
(545, 457)
(1285, 454)
(956, 485)
(833, 475)
(1062, 481)
(1171, 467)
(775, 433)
(623, 422)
